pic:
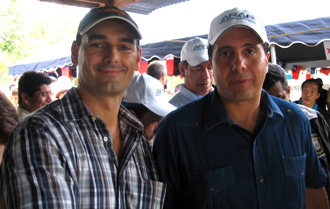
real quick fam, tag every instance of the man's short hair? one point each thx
(30, 82)
(138, 110)
(275, 74)
(312, 80)
(156, 69)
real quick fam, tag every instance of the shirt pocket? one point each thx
(213, 188)
(294, 168)
(154, 194)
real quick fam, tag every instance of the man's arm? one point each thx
(165, 155)
(33, 173)
(316, 199)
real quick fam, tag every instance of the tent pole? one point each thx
(272, 54)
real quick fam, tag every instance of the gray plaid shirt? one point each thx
(62, 157)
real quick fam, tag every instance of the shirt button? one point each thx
(211, 189)
(94, 118)
(262, 180)
(105, 138)
(302, 173)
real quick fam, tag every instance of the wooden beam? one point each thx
(94, 3)
(120, 3)
(88, 4)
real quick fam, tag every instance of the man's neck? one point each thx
(244, 114)
(106, 108)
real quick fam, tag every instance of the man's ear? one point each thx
(163, 79)
(74, 53)
(138, 60)
(25, 99)
(182, 70)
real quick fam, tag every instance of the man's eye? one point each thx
(125, 48)
(225, 54)
(250, 51)
(97, 45)
(197, 69)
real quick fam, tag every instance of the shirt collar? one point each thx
(74, 108)
(215, 113)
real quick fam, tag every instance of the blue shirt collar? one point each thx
(216, 114)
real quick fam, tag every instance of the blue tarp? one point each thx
(294, 41)
(57, 55)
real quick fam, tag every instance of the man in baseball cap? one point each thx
(146, 99)
(86, 150)
(238, 147)
(196, 71)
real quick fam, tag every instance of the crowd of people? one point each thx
(228, 138)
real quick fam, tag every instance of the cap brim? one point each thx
(137, 31)
(161, 109)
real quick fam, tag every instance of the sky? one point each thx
(193, 17)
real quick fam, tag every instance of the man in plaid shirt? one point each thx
(86, 150)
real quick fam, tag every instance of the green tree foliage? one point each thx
(30, 25)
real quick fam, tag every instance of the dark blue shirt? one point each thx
(209, 161)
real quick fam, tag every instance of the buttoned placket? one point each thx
(260, 170)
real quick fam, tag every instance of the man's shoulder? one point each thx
(189, 111)
(287, 108)
(48, 112)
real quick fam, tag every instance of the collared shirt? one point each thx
(22, 113)
(184, 96)
(209, 161)
(62, 157)
(316, 107)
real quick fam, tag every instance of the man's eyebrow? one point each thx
(93, 37)
(127, 40)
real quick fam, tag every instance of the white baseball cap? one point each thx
(194, 51)
(233, 18)
(148, 91)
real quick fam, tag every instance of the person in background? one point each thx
(34, 92)
(8, 121)
(14, 97)
(310, 91)
(196, 70)
(276, 84)
(238, 147)
(86, 150)
(322, 100)
(158, 70)
(146, 99)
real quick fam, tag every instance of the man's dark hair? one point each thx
(265, 45)
(275, 74)
(185, 64)
(156, 69)
(30, 82)
(139, 110)
(312, 80)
